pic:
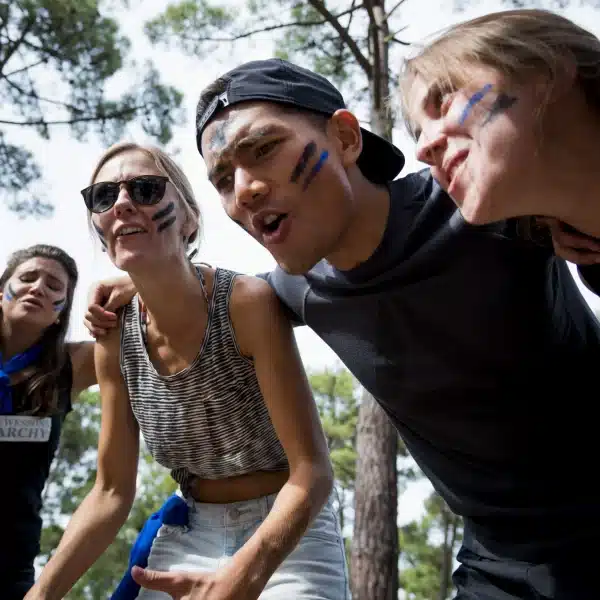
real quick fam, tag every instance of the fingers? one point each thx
(97, 294)
(573, 245)
(99, 320)
(116, 299)
(173, 583)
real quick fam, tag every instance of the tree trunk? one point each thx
(375, 548)
(451, 522)
(374, 556)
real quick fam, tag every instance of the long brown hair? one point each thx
(41, 387)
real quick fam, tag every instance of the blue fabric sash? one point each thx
(14, 365)
(174, 511)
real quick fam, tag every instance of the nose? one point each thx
(37, 287)
(431, 147)
(249, 191)
(124, 203)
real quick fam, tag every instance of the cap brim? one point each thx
(380, 161)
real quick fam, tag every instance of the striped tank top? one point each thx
(208, 420)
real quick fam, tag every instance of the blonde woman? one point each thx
(205, 366)
(506, 110)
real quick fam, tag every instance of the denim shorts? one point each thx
(315, 570)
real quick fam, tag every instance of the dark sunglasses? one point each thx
(144, 190)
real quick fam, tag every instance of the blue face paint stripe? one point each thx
(473, 101)
(315, 169)
(59, 304)
(10, 292)
(502, 103)
(167, 210)
(308, 151)
(166, 224)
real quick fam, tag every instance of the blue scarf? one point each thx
(173, 512)
(14, 365)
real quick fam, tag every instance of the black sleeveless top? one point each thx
(27, 447)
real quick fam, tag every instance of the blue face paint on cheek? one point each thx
(502, 103)
(58, 305)
(302, 163)
(161, 214)
(475, 99)
(9, 293)
(318, 166)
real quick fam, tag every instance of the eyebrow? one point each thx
(52, 277)
(242, 141)
(434, 88)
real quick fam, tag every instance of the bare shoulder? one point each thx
(256, 313)
(253, 293)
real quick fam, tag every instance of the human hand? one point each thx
(104, 299)
(571, 244)
(193, 586)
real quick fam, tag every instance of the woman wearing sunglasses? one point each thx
(505, 108)
(39, 375)
(205, 365)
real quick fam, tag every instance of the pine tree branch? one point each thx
(362, 60)
(397, 5)
(14, 45)
(37, 122)
(268, 28)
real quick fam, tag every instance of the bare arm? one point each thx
(267, 338)
(84, 370)
(96, 522)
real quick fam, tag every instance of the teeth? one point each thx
(128, 230)
(270, 219)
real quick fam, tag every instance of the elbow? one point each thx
(118, 496)
(316, 477)
(326, 479)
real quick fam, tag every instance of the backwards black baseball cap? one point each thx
(277, 80)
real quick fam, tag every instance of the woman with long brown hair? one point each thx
(40, 373)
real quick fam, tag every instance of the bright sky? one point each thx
(67, 165)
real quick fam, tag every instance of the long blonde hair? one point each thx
(169, 168)
(518, 44)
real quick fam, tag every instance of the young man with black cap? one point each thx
(476, 342)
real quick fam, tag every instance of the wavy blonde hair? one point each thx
(518, 44)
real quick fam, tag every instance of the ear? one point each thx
(343, 126)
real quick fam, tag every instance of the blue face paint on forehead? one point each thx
(475, 99)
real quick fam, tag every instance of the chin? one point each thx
(476, 212)
(128, 262)
(295, 266)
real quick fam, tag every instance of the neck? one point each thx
(16, 338)
(168, 292)
(572, 189)
(367, 224)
